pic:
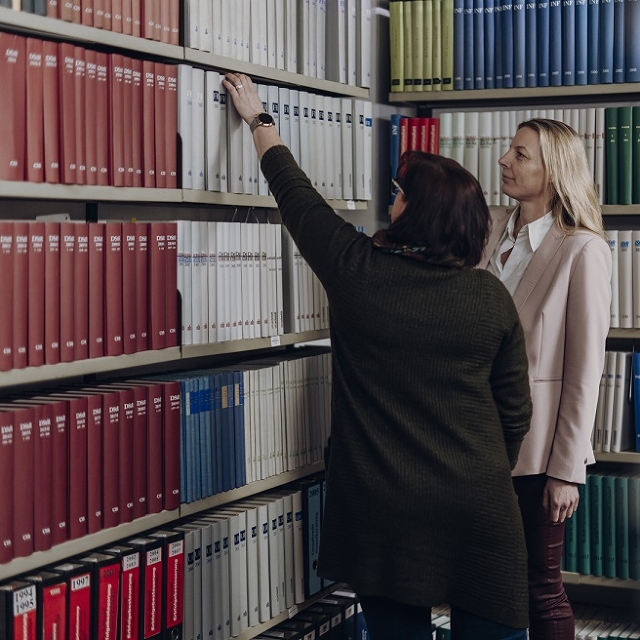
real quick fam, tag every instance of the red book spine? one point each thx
(175, 22)
(59, 502)
(12, 107)
(80, 605)
(130, 596)
(157, 27)
(171, 281)
(23, 480)
(54, 610)
(106, 601)
(87, 13)
(151, 619)
(94, 463)
(90, 116)
(20, 288)
(7, 446)
(118, 168)
(148, 123)
(434, 135)
(51, 292)
(142, 292)
(43, 480)
(148, 19)
(160, 124)
(136, 15)
(103, 120)
(107, 14)
(77, 12)
(67, 288)
(136, 122)
(35, 329)
(96, 289)
(110, 459)
(174, 586)
(127, 17)
(81, 292)
(6, 286)
(53, 10)
(126, 460)
(18, 611)
(77, 423)
(171, 444)
(127, 120)
(98, 14)
(171, 126)
(165, 20)
(51, 111)
(404, 135)
(113, 288)
(35, 111)
(157, 286)
(129, 302)
(116, 16)
(414, 133)
(155, 413)
(140, 452)
(80, 106)
(66, 62)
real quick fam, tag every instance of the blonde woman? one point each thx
(551, 254)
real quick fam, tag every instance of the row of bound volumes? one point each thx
(622, 154)
(83, 459)
(81, 290)
(244, 280)
(327, 39)
(478, 139)
(252, 421)
(614, 426)
(604, 623)
(496, 44)
(625, 278)
(603, 537)
(218, 152)
(140, 18)
(73, 115)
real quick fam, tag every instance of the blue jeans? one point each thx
(390, 620)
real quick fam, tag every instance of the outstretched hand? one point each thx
(244, 95)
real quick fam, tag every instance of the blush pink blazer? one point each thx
(564, 302)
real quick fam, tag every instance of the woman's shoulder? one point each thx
(586, 240)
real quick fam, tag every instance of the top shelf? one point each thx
(530, 95)
(60, 29)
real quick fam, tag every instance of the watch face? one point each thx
(265, 119)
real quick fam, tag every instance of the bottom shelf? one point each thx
(597, 590)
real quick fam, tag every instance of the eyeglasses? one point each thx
(397, 188)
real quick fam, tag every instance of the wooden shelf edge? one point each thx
(250, 489)
(624, 333)
(36, 24)
(89, 542)
(569, 577)
(617, 456)
(260, 72)
(515, 94)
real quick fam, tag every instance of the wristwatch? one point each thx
(262, 120)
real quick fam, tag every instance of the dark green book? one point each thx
(594, 482)
(583, 516)
(622, 526)
(635, 152)
(609, 524)
(625, 166)
(571, 544)
(611, 154)
(634, 526)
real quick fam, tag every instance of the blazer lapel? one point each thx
(499, 221)
(541, 258)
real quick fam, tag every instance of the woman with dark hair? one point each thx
(430, 398)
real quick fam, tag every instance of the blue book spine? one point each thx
(206, 451)
(497, 38)
(593, 51)
(458, 45)
(622, 526)
(555, 43)
(605, 41)
(636, 390)
(218, 475)
(194, 399)
(619, 39)
(519, 36)
(394, 150)
(489, 44)
(530, 43)
(634, 528)
(478, 44)
(238, 423)
(542, 26)
(582, 44)
(184, 445)
(229, 428)
(632, 42)
(507, 43)
(469, 47)
(568, 42)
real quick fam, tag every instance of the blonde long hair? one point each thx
(575, 202)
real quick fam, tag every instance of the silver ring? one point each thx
(238, 86)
